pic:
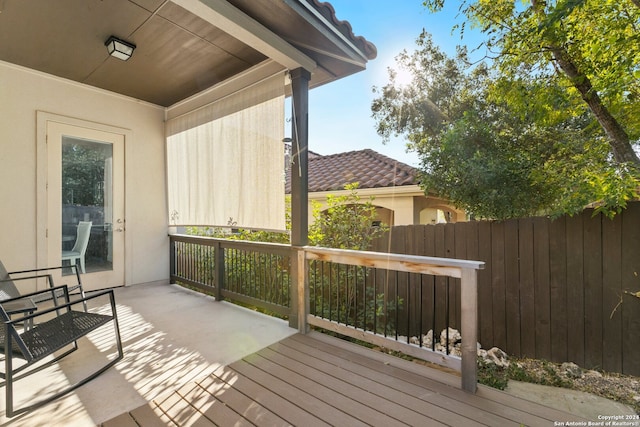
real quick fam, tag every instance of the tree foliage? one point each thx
(514, 135)
(347, 222)
(591, 46)
(83, 171)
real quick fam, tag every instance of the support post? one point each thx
(300, 157)
(469, 328)
(299, 195)
(303, 291)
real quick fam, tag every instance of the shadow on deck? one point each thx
(171, 337)
(316, 380)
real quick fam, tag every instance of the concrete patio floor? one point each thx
(171, 336)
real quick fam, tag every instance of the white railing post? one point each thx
(469, 328)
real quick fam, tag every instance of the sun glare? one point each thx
(404, 77)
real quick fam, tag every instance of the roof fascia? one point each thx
(234, 22)
(315, 18)
(401, 190)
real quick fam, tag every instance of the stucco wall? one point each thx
(22, 94)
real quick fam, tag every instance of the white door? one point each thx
(85, 184)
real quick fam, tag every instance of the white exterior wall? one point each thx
(24, 92)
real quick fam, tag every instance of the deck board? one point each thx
(249, 409)
(405, 377)
(316, 380)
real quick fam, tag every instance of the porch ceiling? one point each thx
(180, 51)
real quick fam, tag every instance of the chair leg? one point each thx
(8, 373)
(11, 411)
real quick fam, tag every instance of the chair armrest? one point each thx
(53, 291)
(67, 305)
(37, 276)
(34, 270)
(74, 270)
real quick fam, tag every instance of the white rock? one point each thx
(427, 339)
(571, 370)
(497, 357)
(454, 336)
(593, 374)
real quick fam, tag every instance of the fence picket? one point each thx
(593, 291)
(512, 285)
(558, 289)
(631, 283)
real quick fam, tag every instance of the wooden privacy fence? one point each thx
(558, 289)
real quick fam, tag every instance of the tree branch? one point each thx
(618, 137)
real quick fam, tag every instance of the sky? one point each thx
(340, 112)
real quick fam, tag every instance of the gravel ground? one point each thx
(620, 388)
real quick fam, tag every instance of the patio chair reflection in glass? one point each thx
(77, 253)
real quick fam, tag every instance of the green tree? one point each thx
(347, 222)
(82, 173)
(591, 46)
(343, 293)
(499, 145)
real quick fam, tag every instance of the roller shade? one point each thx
(225, 161)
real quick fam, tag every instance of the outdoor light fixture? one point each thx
(119, 48)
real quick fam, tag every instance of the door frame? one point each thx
(42, 174)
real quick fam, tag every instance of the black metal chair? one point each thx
(54, 329)
(9, 282)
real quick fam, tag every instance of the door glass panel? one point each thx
(87, 196)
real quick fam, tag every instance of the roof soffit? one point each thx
(180, 51)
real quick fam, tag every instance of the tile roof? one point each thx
(326, 9)
(367, 167)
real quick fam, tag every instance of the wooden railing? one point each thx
(252, 273)
(366, 267)
(359, 294)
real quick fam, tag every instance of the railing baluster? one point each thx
(446, 315)
(420, 321)
(433, 317)
(375, 300)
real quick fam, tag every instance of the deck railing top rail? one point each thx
(399, 262)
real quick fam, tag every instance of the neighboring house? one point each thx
(394, 185)
(66, 99)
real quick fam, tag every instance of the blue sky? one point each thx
(340, 112)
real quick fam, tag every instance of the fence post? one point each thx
(219, 270)
(469, 328)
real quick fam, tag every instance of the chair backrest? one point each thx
(8, 289)
(82, 238)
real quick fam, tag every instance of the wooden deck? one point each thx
(315, 380)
